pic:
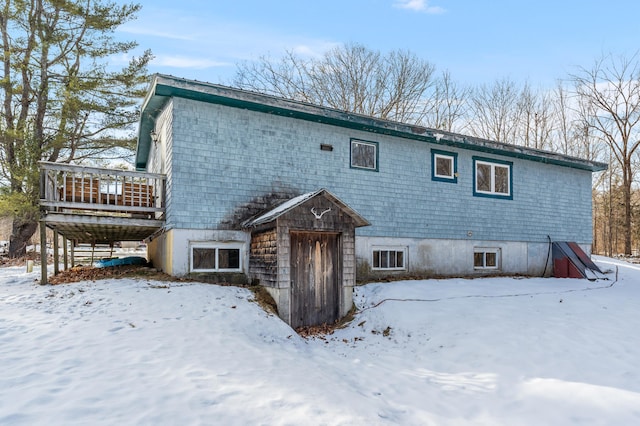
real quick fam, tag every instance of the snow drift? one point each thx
(442, 352)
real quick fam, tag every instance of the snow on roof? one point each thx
(295, 202)
(280, 210)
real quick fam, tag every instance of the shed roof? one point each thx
(164, 87)
(291, 204)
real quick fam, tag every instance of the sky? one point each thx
(477, 41)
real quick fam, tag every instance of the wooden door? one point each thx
(315, 278)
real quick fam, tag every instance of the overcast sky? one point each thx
(478, 41)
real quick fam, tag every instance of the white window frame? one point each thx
(484, 251)
(494, 165)
(375, 154)
(451, 159)
(388, 249)
(217, 247)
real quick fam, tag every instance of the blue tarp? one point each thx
(130, 260)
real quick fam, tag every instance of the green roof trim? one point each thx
(164, 87)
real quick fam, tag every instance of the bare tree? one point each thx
(536, 121)
(572, 133)
(612, 88)
(448, 105)
(494, 111)
(351, 78)
(585, 141)
(509, 113)
(563, 133)
(285, 77)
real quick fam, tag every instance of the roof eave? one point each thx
(167, 86)
(273, 214)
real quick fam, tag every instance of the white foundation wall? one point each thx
(170, 252)
(439, 257)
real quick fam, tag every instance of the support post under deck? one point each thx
(43, 253)
(56, 256)
(65, 256)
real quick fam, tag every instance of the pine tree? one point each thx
(61, 100)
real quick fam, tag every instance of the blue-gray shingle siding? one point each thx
(223, 157)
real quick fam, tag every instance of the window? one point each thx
(389, 259)
(444, 166)
(211, 258)
(364, 155)
(492, 178)
(486, 258)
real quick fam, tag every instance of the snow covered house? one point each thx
(304, 198)
(433, 202)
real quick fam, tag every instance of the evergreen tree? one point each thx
(61, 100)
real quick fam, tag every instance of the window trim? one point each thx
(493, 163)
(216, 246)
(376, 159)
(402, 249)
(435, 153)
(484, 250)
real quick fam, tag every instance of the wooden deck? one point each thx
(90, 205)
(96, 205)
(67, 188)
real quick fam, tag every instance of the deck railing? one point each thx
(65, 187)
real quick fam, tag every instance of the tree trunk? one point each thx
(627, 179)
(610, 213)
(21, 232)
(627, 221)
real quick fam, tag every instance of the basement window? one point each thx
(486, 258)
(387, 259)
(492, 178)
(216, 258)
(364, 155)
(444, 166)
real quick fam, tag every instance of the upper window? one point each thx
(444, 166)
(389, 259)
(216, 258)
(492, 178)
(364, 155)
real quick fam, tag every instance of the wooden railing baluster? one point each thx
(73, 188)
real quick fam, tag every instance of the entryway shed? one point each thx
(303, 253)
(570, 261)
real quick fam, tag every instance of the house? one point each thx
(303, 198)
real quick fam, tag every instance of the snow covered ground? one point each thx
(497, 351)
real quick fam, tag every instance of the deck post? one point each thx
(73, 253)
(65, 256)
(43, 252)
(56, 255)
